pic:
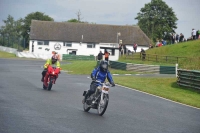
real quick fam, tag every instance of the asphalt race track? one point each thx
(26, 108)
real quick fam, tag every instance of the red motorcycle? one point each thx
(50, 77)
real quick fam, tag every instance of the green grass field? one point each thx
(6, 55)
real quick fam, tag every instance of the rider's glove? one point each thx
(93, 78)
(113, 84)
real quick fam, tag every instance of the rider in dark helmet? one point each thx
(53, 60)
(100, 74)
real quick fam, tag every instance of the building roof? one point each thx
(95, 33)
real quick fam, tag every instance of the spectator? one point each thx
(181, 38)
(120, 48)
(193, 34)
(197, 34)
(125, 49)
(135, 47)
(150, 45)
(106, 53)
(160, 44)
(157, 43)
(100, 56)
(142, 54)
(164, 42)
(172, 38)
(177, 38)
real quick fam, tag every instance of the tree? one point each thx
(27, 23)
(11, 31)
(157, 20)
(78, 20)
(73, 20)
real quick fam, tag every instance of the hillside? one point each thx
(184, 49)
(190, 50)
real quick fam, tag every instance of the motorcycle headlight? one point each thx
(53, 72)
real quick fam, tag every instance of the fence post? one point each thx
(176, 69)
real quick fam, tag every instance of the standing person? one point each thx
(106, 53)
(181, 39)
(135, 47)
(177, 38)
(100, 56)
(197, 34)
(143, 54)
(120, 49)
(172, 38)
(193, 34)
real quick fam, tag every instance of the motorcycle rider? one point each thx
(53, 60)
(100, 74)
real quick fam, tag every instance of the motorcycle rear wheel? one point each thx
(102, 105)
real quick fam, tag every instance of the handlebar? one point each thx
(106, 83)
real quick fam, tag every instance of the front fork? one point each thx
(52, 79)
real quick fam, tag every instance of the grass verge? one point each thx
(163, 87)
(6, 55)
(160, 86)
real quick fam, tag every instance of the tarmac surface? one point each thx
(26, 108)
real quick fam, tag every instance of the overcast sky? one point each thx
(114, 12)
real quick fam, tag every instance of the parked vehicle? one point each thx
(98, 100)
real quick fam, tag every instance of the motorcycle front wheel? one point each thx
(50, 83)
(102, 105)
(86, 107)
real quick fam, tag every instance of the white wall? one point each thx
(80, 48)
(9, 50)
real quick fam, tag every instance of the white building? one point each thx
(83, 38)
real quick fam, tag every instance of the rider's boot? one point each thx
(42, 80)
(86, 95)
(83, 101)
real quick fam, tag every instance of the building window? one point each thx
(67, 44)
(90, 45)
(46, 43)
(40, 43)
(43, 43)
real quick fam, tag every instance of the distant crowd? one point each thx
(176, 38)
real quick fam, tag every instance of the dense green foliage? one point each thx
(16, 32)
(27, 23)
(157, 20)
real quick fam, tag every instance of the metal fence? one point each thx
(156, 58)
(13, 42)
